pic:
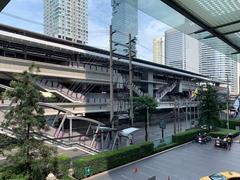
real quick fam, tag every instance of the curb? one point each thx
(119, 167)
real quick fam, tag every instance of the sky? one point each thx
(98, 23)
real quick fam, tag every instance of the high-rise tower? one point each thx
(66, 19)
(181, 51)
(124, 22)
(218, 66)
(159, 50)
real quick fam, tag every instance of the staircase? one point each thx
(135, 88)
(50, 140)
(55, 87)
(165, 90)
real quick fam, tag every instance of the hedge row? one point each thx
(111, 159)
(165, 147)
(232, 124)
(223, 133)
(186, 136)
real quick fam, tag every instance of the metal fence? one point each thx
(159, 142)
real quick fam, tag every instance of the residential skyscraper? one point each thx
(124, 22)
(218, 66)
(66, 19)
(181, 51)
(159, 50)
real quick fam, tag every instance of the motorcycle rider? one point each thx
(229, 141)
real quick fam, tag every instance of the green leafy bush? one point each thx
(108, 160)
(164, 147)
(59, 166)
(223, 133)
(63, 164)
(186, 136)
(232, 124)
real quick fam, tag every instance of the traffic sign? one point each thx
(162, 124)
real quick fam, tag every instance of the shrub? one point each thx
(232, 124)
(164, 147)
(223, 133)
(63, 164)
(58, 166)
(108, 160)
(186, 136)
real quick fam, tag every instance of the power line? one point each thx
(22, 19)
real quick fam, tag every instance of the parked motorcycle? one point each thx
(203, 138)
(222, 143)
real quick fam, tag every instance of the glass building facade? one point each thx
(124, 22)
(217, 65)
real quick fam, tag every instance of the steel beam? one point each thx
(217, 27)
(223, 34)
(3, 3)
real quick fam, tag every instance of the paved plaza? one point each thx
(189, 162)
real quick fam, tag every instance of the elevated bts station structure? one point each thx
(78, 76)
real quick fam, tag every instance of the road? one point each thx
(189, 162)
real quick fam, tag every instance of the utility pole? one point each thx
(175, 118)
(178, 115)
(227, 102)
(130, 79)
(186, 115)
(111, 77)
(147, 125)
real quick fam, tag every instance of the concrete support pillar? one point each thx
(70, 129)
(194, 113)
(150, 85)
(102, 145)
(190, 114)
(186, 114)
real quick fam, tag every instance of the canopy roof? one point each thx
(219, 21)
(213, 22)
(126, 132)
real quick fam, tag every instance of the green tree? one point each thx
(29, 157)
(210, 106)
(145, 106)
